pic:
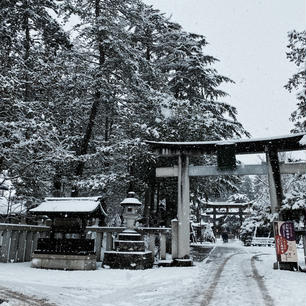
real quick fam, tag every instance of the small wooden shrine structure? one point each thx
(67, 247)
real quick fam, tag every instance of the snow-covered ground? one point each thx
(228, 277)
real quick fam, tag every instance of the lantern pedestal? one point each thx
(129, 253)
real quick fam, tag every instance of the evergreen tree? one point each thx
(122, 105)
(296, 54)
(30, 41)
(189, 111)
(80, 112)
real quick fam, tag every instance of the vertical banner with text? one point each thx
(285, 243)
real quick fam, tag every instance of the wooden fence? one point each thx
(18, 241)
(262, 241)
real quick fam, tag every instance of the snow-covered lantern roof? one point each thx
(131, 200)
(130, 206)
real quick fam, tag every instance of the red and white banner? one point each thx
(285, 243)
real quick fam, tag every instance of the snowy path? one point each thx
(232, 275)
(236, 280)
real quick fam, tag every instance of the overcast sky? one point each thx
(249, 37)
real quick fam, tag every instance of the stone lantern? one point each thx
(130, 207)
(129, 247)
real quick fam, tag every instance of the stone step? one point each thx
(128, 260)
(129, 246)
(129, 236)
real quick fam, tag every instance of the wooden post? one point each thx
(35, 239)
(274, 177)
(28, 250)
(240, 216)
(98, 245)
(174, 238)
(5, 249)
(162, 242)
(21, 246)
(152, 244)
(304, 246)
(275, 188)
(109, 242)
(183, 207)
(13, 247)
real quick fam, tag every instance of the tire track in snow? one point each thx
(211, 289)
(260, 282)
(10, 295)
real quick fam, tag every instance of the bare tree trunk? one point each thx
(27, 51)
(85, 142)
(94, 108)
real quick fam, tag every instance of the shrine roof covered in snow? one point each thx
(70, 206)
(284, 143)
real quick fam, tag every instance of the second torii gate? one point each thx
(226, 152)
(217, 206)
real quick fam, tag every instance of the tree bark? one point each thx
(94, 108)
(27, 52)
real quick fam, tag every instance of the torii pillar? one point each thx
(183, 208)
(274, 179)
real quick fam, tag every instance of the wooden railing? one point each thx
(262, 241)
(18, 241)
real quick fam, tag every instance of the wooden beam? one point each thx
(167, 171)
(225, 213)
(240, 170)
(290, 142)
(23, 227)
(229, 205)
(292, 168)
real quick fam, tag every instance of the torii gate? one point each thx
(226, 155)
(215, 207)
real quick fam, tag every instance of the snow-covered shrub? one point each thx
(238, 198)
(294, 204)
(260, 219)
